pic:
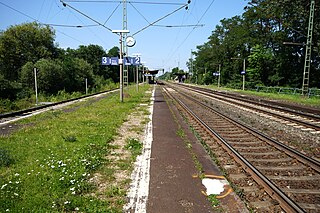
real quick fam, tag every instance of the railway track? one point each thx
(307, 121)
(7, 118)
(289, 178)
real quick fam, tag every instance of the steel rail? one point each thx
(315, 164)
(29, 110)
(285, 202)
(280, 107)
(307, 124)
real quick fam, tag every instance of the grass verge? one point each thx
(49, 166)
(297, 99)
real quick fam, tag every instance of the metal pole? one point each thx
(86, 86)
(121, 60)
(35, 84)
(307, 63)
(121, 68)
(143, 74)
(137, 78)
(125, 48)
(219, 75)
(244, 75)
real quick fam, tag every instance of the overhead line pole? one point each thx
(307, 62)
(125, 27)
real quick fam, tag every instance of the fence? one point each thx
(312, 92)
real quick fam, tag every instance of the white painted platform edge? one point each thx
(139, 187)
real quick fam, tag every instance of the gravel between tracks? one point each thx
(303, 141)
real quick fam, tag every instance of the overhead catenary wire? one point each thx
(41, 23)
(75, 9)
(159, 19)
(134, 2)
(182, 25)
(112, 13)
(139, 13)
(193, 28)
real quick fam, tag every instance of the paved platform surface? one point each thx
(173, 186)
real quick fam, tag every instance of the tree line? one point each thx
(269, 37)
(31, 45)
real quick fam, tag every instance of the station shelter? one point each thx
(150, 76)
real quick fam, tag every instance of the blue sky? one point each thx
(159, 46)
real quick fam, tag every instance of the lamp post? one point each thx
(121, 60)
(243, 72)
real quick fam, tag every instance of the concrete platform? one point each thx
(166, 175)
(174, 185)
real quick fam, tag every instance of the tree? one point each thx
(260, 34)
(260, 60)
(92, 54)
(23, 43)
(75, 72)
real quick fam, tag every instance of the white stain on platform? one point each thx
(213, 186)
(139, 187)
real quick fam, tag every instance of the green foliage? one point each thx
(5, 158)
(24, 43)
(260, 61)
(213, 200)
(26, 46)
(258, 37)
(134, 146)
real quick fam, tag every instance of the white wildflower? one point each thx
(2, 187)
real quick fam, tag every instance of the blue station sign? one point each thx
(114, 61)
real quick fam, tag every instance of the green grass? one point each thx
(45, 167)
(312, 101)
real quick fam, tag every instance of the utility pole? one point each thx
(125, 27)
(191, 70)
(86, 80)
(35, 84)
(244, 74)
(307, 62)
(137, 71)
(121, 32)
(219, 75)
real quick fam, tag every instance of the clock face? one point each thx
(130, 41)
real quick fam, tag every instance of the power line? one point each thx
(134, 2)
(72, 26)
(41, 23)
(182, 25)
(19, 11)
(160, 19)
(139, 12)
(112, 14)
(193, 28)
(65, 4)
